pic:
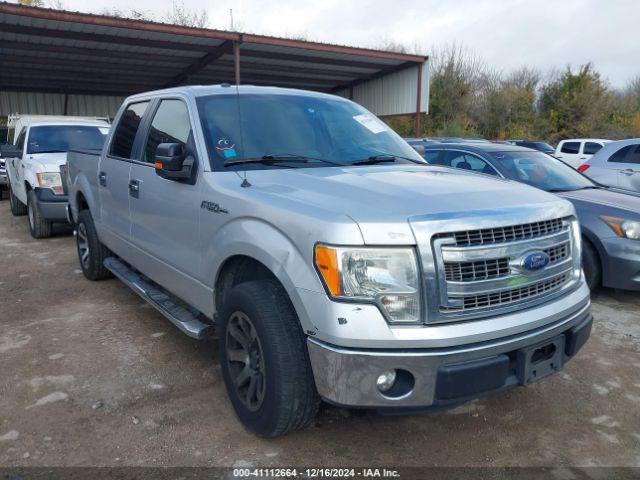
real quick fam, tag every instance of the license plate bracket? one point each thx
(541, 360)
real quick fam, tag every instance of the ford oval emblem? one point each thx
(535, 261)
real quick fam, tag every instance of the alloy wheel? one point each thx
(83, 245)
(245, 361)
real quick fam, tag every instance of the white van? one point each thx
(576, 151)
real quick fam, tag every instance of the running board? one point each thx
(182, 318)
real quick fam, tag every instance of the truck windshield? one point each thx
(280, 128)
(62, 138)
(541, 171)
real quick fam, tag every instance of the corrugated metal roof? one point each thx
(55, 51)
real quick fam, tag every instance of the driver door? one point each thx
(165, 213)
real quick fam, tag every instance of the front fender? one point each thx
(255, 238)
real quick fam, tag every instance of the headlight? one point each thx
(386, 276)
(623, 228)
(50, 180)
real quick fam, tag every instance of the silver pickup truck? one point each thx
(330, 260)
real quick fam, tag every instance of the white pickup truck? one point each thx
(33, 166)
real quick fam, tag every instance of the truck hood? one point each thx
(45, 162)
(382, 199)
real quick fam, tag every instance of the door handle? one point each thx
(583, 158)
(134, 188)
(102, 178)
(628, 171)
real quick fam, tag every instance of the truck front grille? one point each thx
(510, 296)
(512, 233)
(494, 268)
(473, 271)
(483, 272)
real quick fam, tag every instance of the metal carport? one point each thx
(60, 62)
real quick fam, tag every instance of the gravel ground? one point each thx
(91, 375)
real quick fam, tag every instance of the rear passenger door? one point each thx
(113, 176)
(626, 161)
(569, 152)
(165, 213)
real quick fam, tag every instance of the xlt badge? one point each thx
(213, 207)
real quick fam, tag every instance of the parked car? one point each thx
(616, 165)
(299, 225)
(33, 168)
(4, 183)
(609, 218)
(576, 151)
(535, 145)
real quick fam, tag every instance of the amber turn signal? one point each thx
(327, 263)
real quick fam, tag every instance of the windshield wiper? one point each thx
(283, 157)
(386, 158)
(372, 160)
(49, 151)
(558, 190)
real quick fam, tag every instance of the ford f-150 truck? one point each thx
(332, 262)
(33, 166)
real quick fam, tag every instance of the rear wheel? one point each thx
(264, 359)
(591, 265)
(39, 226)
(91, 252)
(18, 208)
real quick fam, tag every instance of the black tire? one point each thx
(18, 209)
(38, 226)
(289, 400)
(591, 265)
(91, 252)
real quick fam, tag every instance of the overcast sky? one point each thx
(506, 34)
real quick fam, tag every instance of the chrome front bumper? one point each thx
(348, 377)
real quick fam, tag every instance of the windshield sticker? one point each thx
(371, 123)
(104, 130)
(226, 148)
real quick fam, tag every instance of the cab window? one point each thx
(170, 124)
(571, 148)
(590, 148)
(127, 129)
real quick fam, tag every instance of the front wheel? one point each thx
(264, 359)
(18, 208)
(591, 265)
(39, 226)
(91, 252)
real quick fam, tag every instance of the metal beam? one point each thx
(101, 38)
(418, 126)
(274, 67)
(247, 52)
(93, 52)
(194, 68)
(29, 64)
(71, 80)
(49, 87)
(236, 61)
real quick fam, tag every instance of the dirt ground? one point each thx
(91, 375)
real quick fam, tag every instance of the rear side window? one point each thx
(125, 133)
(570, 147)
(170, 124)
(20, 142)
(591, 148)
(431, 156)
(634, 156)
(619, 156)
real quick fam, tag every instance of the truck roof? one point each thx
(204, 90)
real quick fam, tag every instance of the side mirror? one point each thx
(10, 151)
(172, 162)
